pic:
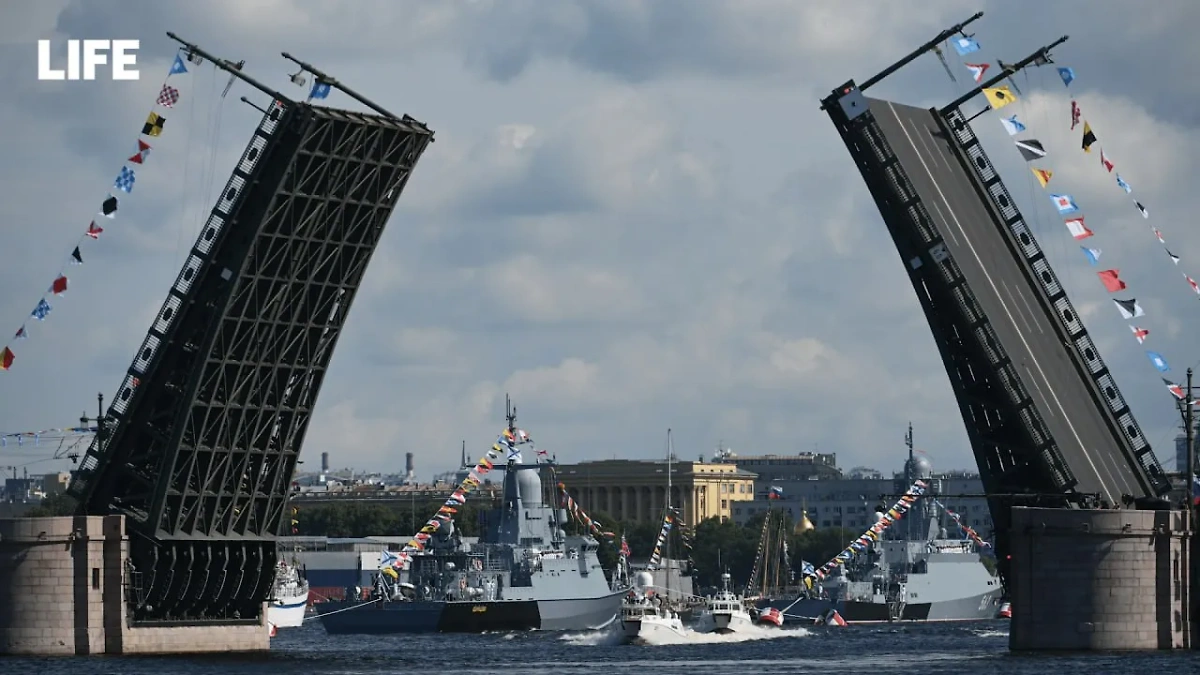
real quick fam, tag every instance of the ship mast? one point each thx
(510, 415)
(766, 557)
(909, 476)
(667, 542)
(779, 580)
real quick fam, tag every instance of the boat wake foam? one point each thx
(596, 638)
(613, 637)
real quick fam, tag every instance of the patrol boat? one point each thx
(725, 612)
(289, 596)
(647, 617)
(524, 573)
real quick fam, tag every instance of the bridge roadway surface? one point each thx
(1062, 392)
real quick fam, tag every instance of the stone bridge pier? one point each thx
(63, 591)
(1099, 580)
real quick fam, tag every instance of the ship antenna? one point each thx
(510, 414)
(908, 441)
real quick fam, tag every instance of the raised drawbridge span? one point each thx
(1047, 423)
(199, 446)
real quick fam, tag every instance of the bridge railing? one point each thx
(1069, 317)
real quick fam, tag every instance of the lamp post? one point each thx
(1189, 431)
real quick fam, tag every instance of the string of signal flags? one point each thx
(1034, 153)
(167, 98)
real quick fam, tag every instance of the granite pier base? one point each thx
(63, 592)
(1099, 580)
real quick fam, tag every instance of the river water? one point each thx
(917, 649)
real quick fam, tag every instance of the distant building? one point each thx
(55, 483)
(804, 466)
(22, 489)
(403, 495)
(635, 491)
(1181, 453)
(850, 502)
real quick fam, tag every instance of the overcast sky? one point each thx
(634, 217)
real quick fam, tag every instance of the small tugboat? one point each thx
(725, 612)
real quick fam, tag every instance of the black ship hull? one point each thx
(872, 611)
(799, 609)
(385, 618)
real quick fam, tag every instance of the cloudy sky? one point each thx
(634, 217)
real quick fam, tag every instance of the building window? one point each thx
(724, 504)
(96, 578)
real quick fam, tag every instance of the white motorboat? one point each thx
(646, 619)
(646, 616)
(289, 597)
(725, 612)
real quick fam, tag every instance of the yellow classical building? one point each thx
(635, 491)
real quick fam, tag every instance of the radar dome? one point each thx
(920, 467)
(643, 580)
(530, 487)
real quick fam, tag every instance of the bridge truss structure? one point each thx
(200, 444)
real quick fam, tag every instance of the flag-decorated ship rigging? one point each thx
(647, 612)
(524, 573)
(915, 572)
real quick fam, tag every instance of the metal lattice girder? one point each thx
(206, 429)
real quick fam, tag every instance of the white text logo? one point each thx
(84, 55)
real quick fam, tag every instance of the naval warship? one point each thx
(915, 573)
(524, 573)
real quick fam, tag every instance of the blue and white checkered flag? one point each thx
(42, 310)
(125, 179)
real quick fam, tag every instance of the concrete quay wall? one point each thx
(62, 592)
(1097, 580)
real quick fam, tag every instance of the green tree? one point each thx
(365, 519)
(820, 545)
(724, 547)
(54, 505)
